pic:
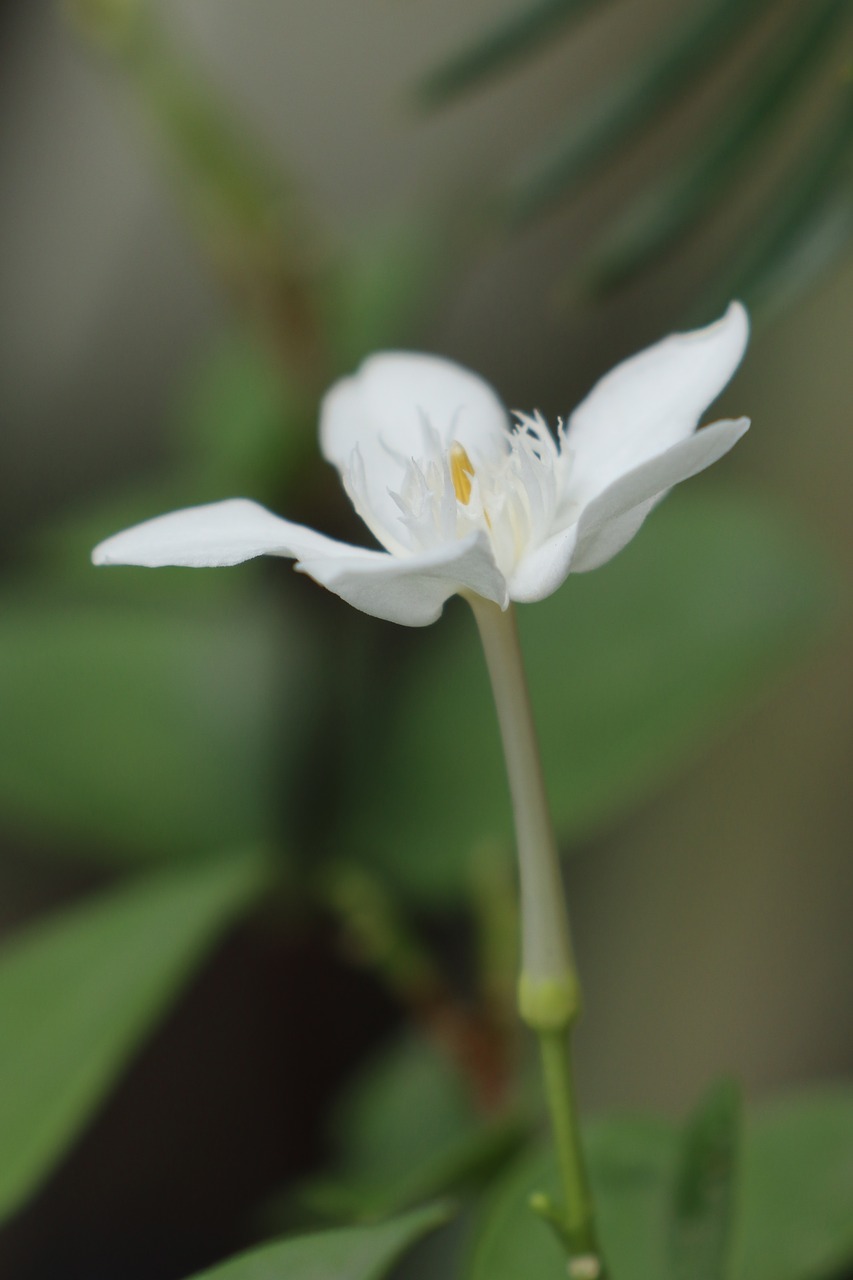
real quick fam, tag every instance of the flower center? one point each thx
(511, 495)
(461, 472)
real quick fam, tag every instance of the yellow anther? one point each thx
(461, 471)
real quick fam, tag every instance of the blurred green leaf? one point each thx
(628, 102)
(793, 1220)
(689, 189)
(817, 243)
(502, 45)
(109, 23)
(249, 218)
(797, 1189)
(61, 552)
(381, 289)
(143, 733)
(80, 990)
(630, 1168)
(233, 187)
(407, 1131)
(240, 428)
(631, 670)
(703, 1202)
(402, 1108)
(803, 227)
(630, 1164)
(246, 427)
(440, 1256)
(351, 1253)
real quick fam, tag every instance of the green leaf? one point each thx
(630, 1169)
(239, 426)
(60, 555)
(350, 1253)
(703, 1206)
(803, 225)
(502, 45)
(631, 669)
(689, 189)
(407, 1131)
(793, 1220)
(796, 1221)
(142, 734)
(80, 991)
(232, 186)
(245, 426)
(381, 289)
(822, 237)
(401, 1109)
(258, 234)
(631, 100)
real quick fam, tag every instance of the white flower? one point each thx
(464, 500)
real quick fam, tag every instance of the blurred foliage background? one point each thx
(228, 804)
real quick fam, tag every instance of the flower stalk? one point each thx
(549, 997)
(548, 992)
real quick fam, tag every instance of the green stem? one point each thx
(579, 1216)
(548, 989)
(549, 993)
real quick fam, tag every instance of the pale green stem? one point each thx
(578, 1221)
(548, 989)
(549, 993)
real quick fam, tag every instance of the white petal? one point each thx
(542, 571)
(650, 402)
(383, 410)
(221, 533)
(410, 590)
(611, 520)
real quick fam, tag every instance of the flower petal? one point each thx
(650, 402)
(385, 412)
(542, 571)
(410, 590)
(221, 533)
(611, 520)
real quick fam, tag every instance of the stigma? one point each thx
(461, 472)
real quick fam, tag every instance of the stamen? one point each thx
(461, 472)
